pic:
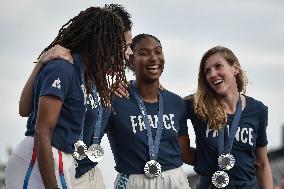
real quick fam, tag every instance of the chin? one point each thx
(220, 92)
(152, 80)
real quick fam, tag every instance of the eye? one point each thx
(218, 66)
(143, 53)
(207, 71)
(158, 52)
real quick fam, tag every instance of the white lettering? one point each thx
(132, 118)
(137, 121)
(250, 136)
(165, 118)
(243, 138)
(172, 121)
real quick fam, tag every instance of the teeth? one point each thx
(153, 67)
(217, 81)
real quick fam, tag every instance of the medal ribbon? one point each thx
(98, 124)
(97, 128)
(221, 146)
(153, 146)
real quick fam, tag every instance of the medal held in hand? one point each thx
(80, 150)
(95, 153)
(220, 179)
(226, 161)
(152, 169)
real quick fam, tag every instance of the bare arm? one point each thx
(48, 111)
(25, 103)
(187, 153)
(263, 171)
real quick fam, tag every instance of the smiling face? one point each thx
(220, 75)
(147, 59)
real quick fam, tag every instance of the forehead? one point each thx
(147, 43)
(214, 59)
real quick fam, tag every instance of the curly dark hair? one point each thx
(98, 35)
(122, 13)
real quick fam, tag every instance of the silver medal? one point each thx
(95, 153)
(220, 179)
(226, 161)
(152, 169)
(80, 150)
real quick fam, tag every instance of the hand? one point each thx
(56, 51)
(121, 90)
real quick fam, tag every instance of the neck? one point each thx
(148, 91)
(230, 102)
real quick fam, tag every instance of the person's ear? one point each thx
(237, 68)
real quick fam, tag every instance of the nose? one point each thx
(213, 73)
(153, 57)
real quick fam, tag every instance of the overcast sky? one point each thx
(253, 29)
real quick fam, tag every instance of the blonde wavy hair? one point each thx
(207, 103)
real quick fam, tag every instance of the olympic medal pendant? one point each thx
(95, 153)
(220, 179)
(152, 169)
(226, 161)
(80, 150)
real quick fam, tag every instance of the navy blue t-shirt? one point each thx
(63, 80)
(251, 133)
(128, 136)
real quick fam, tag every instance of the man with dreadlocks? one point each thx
(61, 92)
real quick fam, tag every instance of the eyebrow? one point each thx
(146, 49)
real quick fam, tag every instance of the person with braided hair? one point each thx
(57, 51)
(61, 93)
(86, 169)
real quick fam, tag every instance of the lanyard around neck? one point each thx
(222, 148)
(153, 146)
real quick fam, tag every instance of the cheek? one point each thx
(207, 78)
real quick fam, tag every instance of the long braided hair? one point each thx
(207, 103)
(122, 13)
(98, 35)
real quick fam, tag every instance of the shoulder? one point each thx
(189, 101)
(255, 105)
(171, 96)
(118, 102)
(59, 65)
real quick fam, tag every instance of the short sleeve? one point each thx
(261, 133)
(183, 131)
(56, 79)
(190, 114)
